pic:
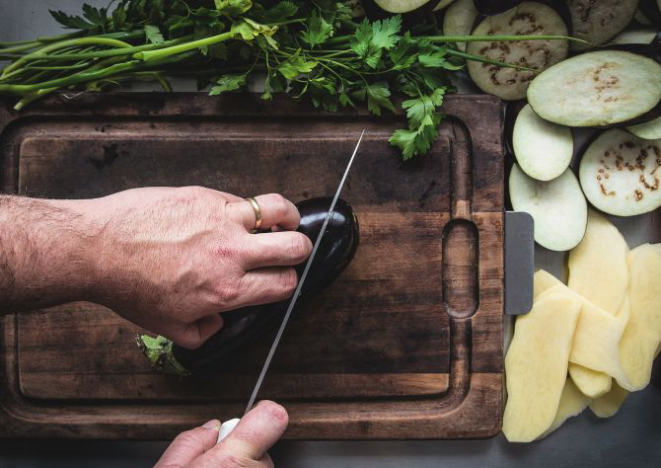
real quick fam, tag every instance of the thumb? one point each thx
(257, 431)
(193, 335)
(189, 445)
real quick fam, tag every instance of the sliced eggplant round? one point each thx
(241, 327)
(493, 7)
(442, 4)
(526, 18)
(648, 131)
(597, 89)
(641, 18)
(599, 21)
(542, 149)
(620, 173)
(400, 6)
(557, 207)
(644, 36)
(459, 19)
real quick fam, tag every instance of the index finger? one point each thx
(257, 431)
(276, 210)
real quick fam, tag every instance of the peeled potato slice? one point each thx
(595, 349)
(598, 265)
(642, 334)
(610, 403)
(543, 281)
(572, 403)
(536, 365)
(592, 383)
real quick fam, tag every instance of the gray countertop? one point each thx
(631, 438)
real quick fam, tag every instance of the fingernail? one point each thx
(213, 424)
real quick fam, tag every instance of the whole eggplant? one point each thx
(242, 326)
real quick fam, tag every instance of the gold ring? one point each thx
(258, 213)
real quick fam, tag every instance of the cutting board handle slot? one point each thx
(460, 268)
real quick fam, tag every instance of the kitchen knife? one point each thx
(227, 427)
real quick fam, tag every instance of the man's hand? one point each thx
(245, 446)
(167, 259)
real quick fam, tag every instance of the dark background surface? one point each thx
(631, 438)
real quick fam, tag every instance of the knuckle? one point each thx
(230, 460)
(299, 246)
(227, 293)
(280, 205)
(187, 341)
(186, 438)
(288, 281)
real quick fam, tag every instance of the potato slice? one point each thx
(572, 403)
(592, 383)
(642, 334)
(596, 341)
(610, 403)
(543, 281)
(598, 265)
(536, 365)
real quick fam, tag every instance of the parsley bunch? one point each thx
(315, 50)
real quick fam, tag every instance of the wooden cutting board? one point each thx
(406, 344)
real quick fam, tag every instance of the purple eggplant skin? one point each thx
(650, 9)
(242, 326)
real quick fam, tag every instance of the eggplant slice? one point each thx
(542, 149)
(527, 18)
(597, 89)
(599, 21)
(620, 173)
(400, 6)
(558, 208)
(459, 19)
(648, 131)
(242, 326)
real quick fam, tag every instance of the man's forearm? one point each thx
(45, 246)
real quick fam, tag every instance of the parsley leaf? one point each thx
(371, 39)
(384, 33)
(296, 66)
(233, 7)
(92, 18)
(423, 123)
(153, 34)
(228, 83)
(318, 30)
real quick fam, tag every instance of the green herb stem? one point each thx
(152, 55)
(478, 58)
(62, 44)
(109, 53)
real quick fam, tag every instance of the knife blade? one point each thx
(227, 427)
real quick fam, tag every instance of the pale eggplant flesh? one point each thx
(242, 326)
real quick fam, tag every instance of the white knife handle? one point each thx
(226, 428)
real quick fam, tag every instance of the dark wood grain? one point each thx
(406, 344)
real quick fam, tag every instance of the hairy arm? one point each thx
(45, 252)
(168, 259)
